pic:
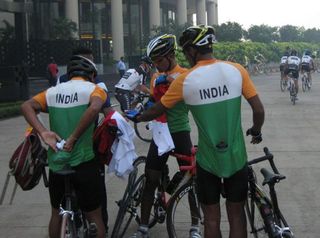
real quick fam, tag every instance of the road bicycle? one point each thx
(171, 201)
(263, 212)
(74, 223)
(292, 89)
(283, 82)
(305, 81)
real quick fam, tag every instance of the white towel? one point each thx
(162, 137)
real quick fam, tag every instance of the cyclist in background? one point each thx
(293, 67)
(76, 103)
(307, 64)
(213, 94)
(132, 82)
(283, 64)
(161, 50)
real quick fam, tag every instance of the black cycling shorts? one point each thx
(86, 182)
(305, 67)
(295, 73)
(182, 143)
(209, 186)
(125, 98)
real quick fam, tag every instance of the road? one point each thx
(292, 133)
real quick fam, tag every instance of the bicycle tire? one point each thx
(128, 209)
(282, 85)
(142, 131)
(304, 83)
(179, 213)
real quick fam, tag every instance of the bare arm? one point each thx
(258, 113)
(143, 88)
(29, 110)
(87, 118)
(153, 112)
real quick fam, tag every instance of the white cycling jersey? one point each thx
(293, 60)
(283, 59)
(306, 59)
(130, 80)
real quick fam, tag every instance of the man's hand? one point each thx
(256, 136)
(162, 79)
(68, 146)
(132, 115)
(50, 138)
(148, 104)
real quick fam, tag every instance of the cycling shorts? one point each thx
(125, 98)
(86, 183)
(282, 67)
(209, 186)
(295, 73)
(182, 143)
(305, 67)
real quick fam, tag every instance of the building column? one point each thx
(72, 12)
(117, 29)
(201, 12)
(216, 22)
(154, 13)
(210, 11)
(181, 12)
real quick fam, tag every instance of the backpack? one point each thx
(28, 162)
(103, 138)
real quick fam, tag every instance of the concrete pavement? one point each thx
(292, 133)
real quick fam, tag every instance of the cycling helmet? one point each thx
(161, 45)
(81, 66)
(146, 59)
(307, 52)
(293, 53)
(198, 36)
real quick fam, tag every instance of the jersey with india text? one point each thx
(212, 90)
(66, 103)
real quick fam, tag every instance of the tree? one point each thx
(63, 29)
(230, 31)
(311, 35)
(171, 28)
(262, 33)
(290, 33)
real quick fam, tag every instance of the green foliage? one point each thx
(290, 33)
(8, 110)
(230, 31)
(262, 33)
(63, 29)
(171, 28)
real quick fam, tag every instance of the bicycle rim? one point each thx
(129, 209)
(179, 215)
(282, 85)
(304, 83)
(142, 132)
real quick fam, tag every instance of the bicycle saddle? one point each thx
(67, 170)
(271, 178)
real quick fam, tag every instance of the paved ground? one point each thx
(291, 132)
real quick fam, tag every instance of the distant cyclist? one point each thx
(307, 64)
(293, 67)
(132, 82)
(283, 64)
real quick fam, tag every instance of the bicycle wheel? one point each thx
(179, 214)
(143, 131)
(282, 84)
(255, 220)
(128, 208)
(304, 83)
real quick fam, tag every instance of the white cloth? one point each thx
(162, 137)
(123, 149)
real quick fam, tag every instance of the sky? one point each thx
(304, 13)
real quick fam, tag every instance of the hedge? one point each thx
(10, 109)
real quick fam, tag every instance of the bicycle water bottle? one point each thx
(173, 184)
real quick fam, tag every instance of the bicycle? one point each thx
(170, 207)
(283, 82)
(305, 81)
(268, 221)
(292, 89)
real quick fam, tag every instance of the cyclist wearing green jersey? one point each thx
(72, 106)
(161, 50)
(212, 90)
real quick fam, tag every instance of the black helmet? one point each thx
(307, 52)
(293, 52)
(81, 66)
(161, 45)
(146, 59)
(198, 36)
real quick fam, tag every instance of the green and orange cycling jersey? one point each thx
(212, 91)
(177, 116)
(66, 103)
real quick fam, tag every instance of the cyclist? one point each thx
(307, 64)
(161, 50)
(283, 63)
(132, 82)
(293, 67)
(76, 103)
(212, 91)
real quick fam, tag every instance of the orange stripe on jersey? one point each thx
(41, 99)
(99, 92)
